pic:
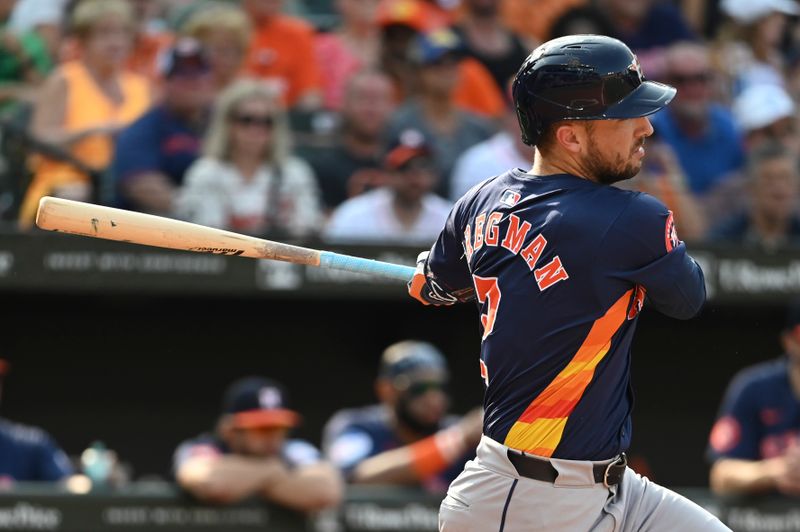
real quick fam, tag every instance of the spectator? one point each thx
(433, 110)
(748, 45)
(250, 454)
(766, 112)
(353, 46)
(661, 176)
(153, 153)
(44, 17)
(27, 453)
(771, 219)
(585, 19)
(408, 438)
(405, 211)
(497, 154)
(352, 164)
(153, 39)
(702, 133)
(648, 27)
(247, 180)
(533, 20)
(224, 31)
(754, 445)
(84, 103)
(24, 61)
(402, 21)
(282, 50)
(486, 39)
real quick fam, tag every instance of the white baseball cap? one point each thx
(747, 11)
(761, 105)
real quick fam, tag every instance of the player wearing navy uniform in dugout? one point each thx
(754, 445)
(408, 438)
(560, 264)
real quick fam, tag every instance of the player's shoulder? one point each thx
(21, 434)
(761, 376)
(363, 418)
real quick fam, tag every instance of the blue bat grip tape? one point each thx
(329, 259)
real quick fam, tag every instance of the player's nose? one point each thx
(645, 126)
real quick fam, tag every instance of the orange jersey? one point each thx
(282, 49)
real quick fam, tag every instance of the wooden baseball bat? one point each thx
(99, 221)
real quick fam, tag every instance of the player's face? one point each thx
(615, 148)
(257, 441)
(423, 405)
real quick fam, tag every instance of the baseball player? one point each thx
(560, 265)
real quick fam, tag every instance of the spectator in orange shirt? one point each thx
(401, 21)
(84, 103)
(225, 31)
(282, 50)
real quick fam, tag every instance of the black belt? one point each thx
(541, 469)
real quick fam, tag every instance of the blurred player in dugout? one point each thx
(27, 453)
(408, 438)
(754, 445)
(250, 454)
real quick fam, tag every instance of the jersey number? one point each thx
(489, 294)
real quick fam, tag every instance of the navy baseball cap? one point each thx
(258, 402)
(407, 145)
(428, 48)
(186, 57)
(411, 360)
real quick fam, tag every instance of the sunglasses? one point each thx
(265, 121)
(417, 389)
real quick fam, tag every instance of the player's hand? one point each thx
(425, 289)
(416, 286)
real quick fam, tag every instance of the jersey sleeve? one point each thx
(735, 433)
(347, 449)
(446, 268)
(642, 247)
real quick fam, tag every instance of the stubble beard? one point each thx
(609, 172)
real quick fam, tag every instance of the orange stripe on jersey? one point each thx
(539, 429)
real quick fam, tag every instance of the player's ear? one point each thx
(570, 135)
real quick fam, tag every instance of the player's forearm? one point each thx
(222, 479)
(730, 476)
(310, 488)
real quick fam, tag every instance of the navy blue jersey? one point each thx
(559, 267)
(28, 454)
(760, 415)
(355, 434)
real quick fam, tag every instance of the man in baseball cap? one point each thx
(405, 210)
(408, 438)
(250, 454)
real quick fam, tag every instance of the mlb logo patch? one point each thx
(509, 198)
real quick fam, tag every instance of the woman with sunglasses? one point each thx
(247, 180)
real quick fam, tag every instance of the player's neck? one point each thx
(548, 165)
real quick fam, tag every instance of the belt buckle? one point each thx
(622, 460)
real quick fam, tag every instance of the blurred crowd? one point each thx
(364, 120)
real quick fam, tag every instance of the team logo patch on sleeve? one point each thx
(725, 435)
(670, 234)
(509, 198)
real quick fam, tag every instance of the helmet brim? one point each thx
(646, 99)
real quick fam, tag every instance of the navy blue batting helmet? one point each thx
(582, 77)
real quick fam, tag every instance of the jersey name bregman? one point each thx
(487, 232)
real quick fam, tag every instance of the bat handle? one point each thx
(329, 259)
